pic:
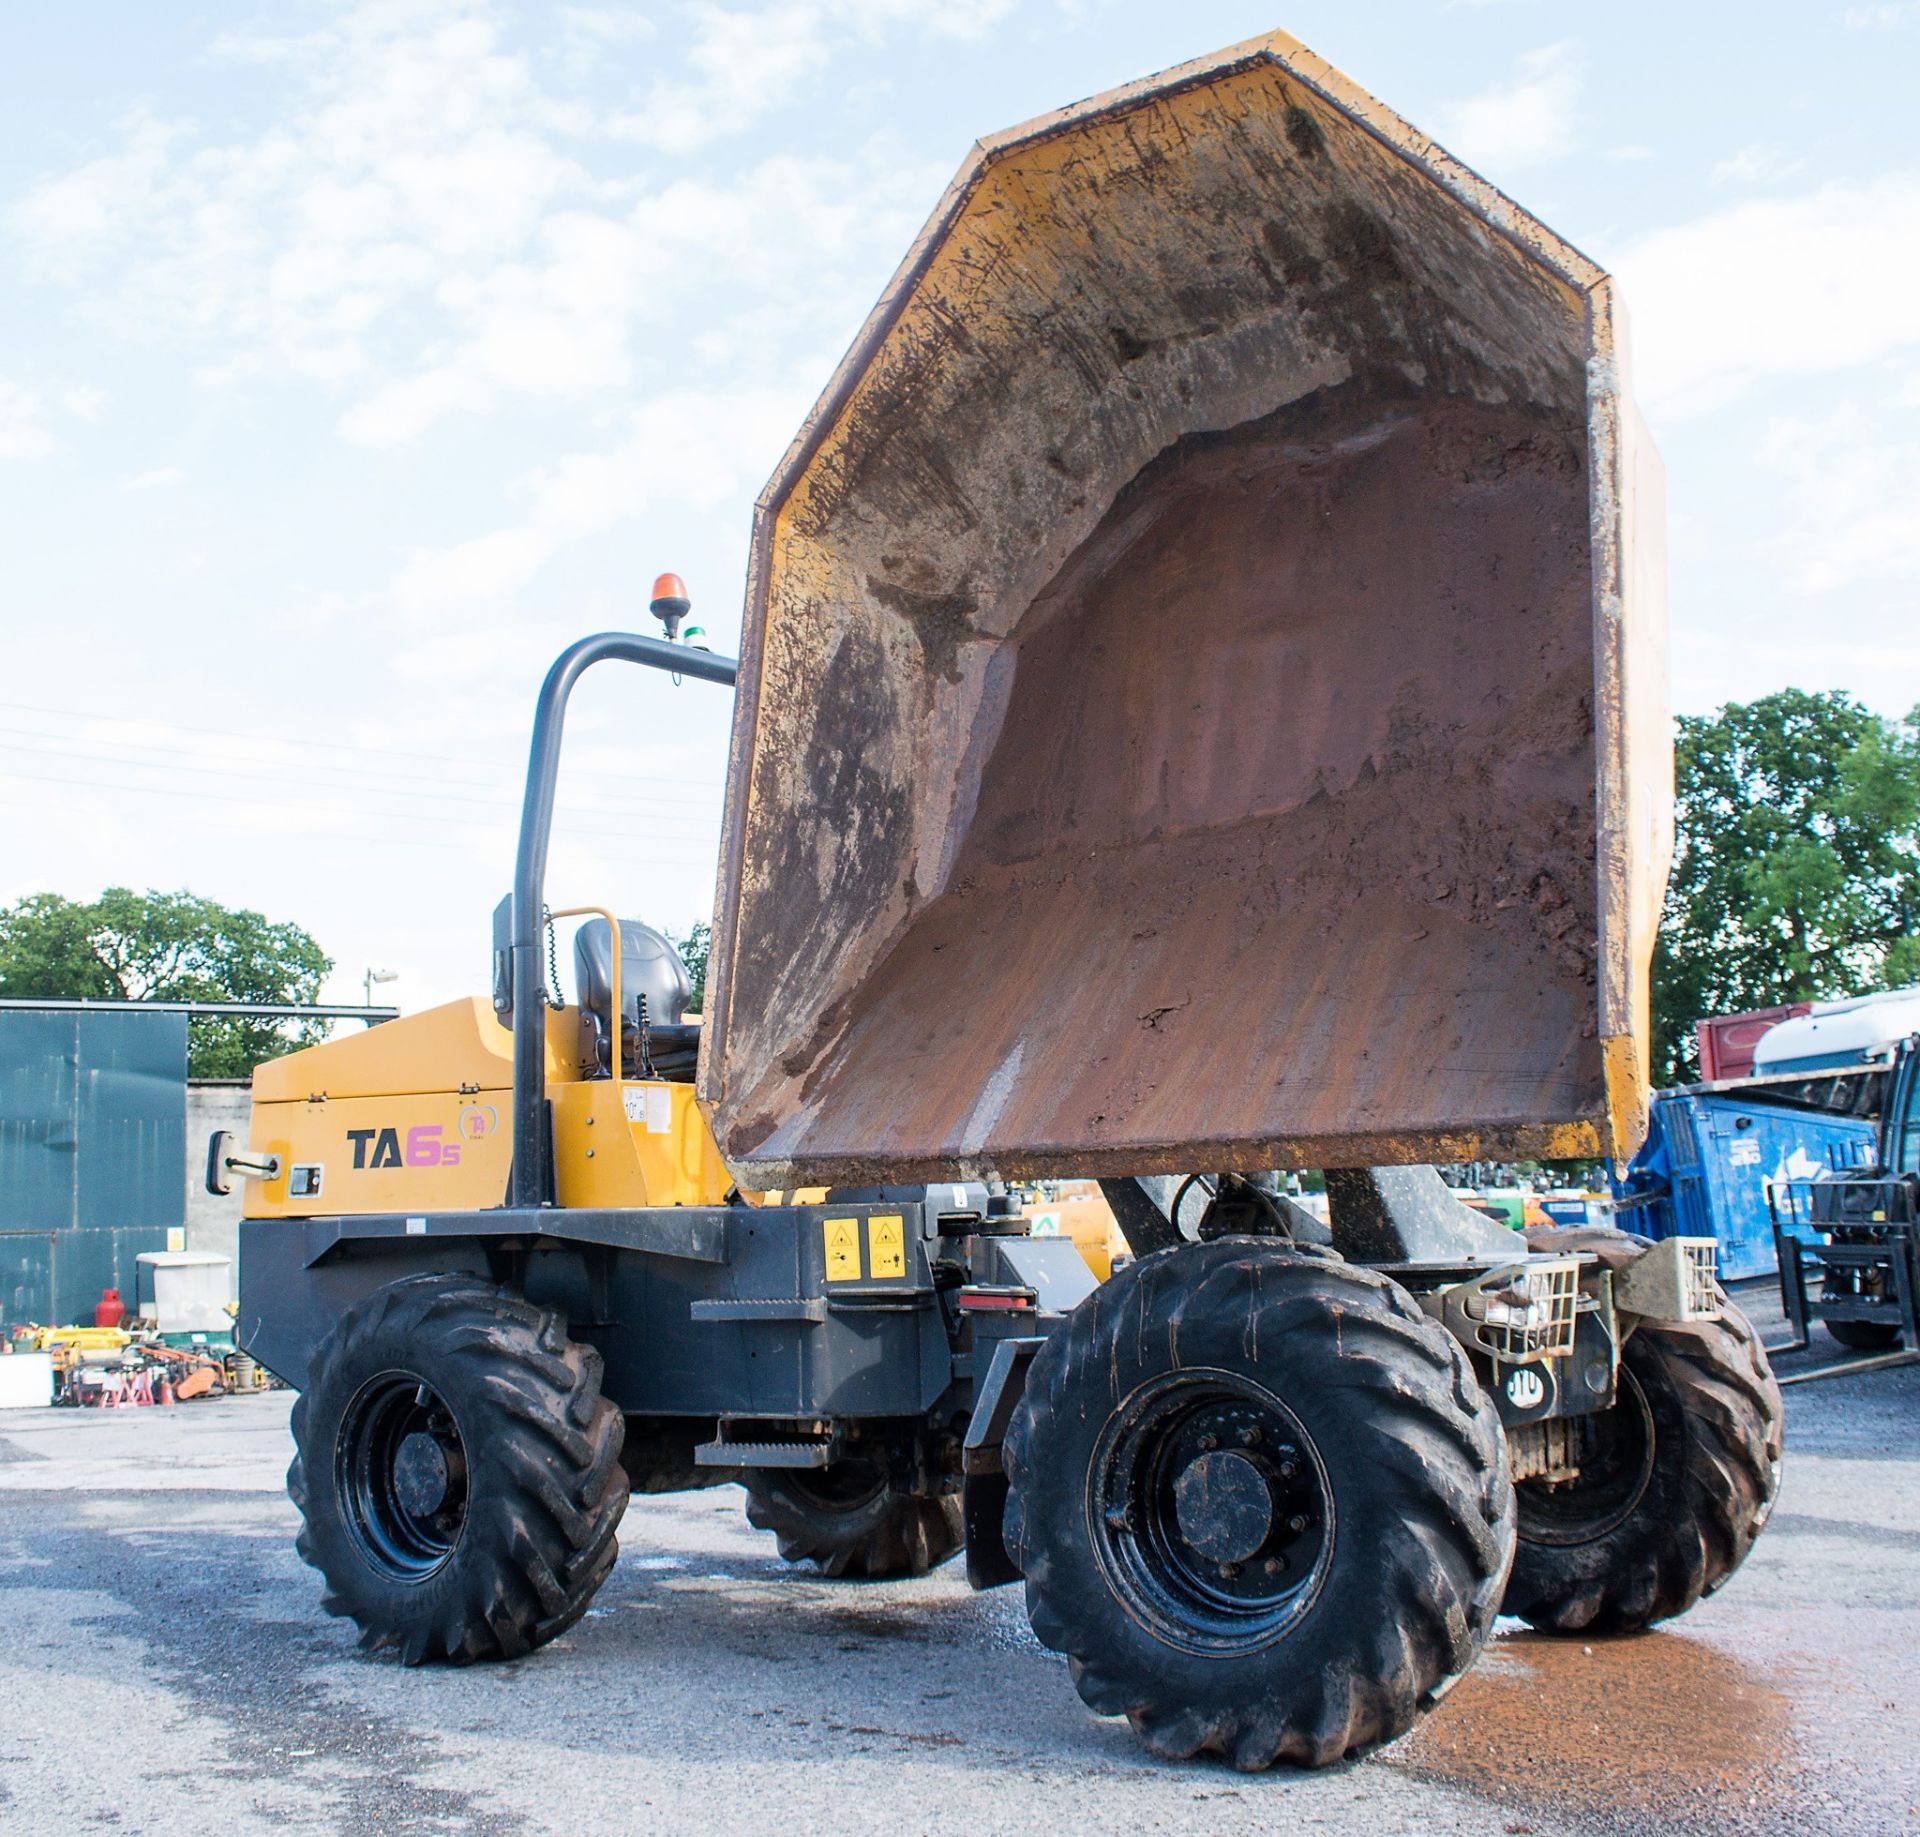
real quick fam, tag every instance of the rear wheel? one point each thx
(849, 1520)
(1675, 1483)
(457, 1471)
(1294, 1497)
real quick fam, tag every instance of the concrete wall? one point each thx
(213, 1223)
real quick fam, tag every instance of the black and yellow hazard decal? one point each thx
(886, 1245)
(843, 1248)
(885, 1239)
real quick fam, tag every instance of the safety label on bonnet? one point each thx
(651, 1104)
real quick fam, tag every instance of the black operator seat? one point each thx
(650, 967)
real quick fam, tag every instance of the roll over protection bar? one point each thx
(518, 983)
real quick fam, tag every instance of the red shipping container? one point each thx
(1727, 1040)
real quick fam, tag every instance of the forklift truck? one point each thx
(1856, 1230)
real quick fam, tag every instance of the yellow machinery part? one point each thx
(69, 1343)
(642, 1143)
(457, 1046)
(1080, 1213)
(414, 1116)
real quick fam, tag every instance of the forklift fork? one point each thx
(1897, 1257)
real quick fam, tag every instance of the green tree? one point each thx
(1796, 872)
(694, 946)
(127, 946)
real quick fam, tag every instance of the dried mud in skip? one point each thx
(1312, 708)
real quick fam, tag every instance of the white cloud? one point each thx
(559, 324)
(1526, 122)
(85, 402)
(744, 63)
(158, 479)
(691, 448)
(1856, 512)
(1884, 17)
(24, 410)
(23, 434)
(969, 20)
(1776, 287)
(412, 152)
(605, 25)
(1753, 166)
(423, 233)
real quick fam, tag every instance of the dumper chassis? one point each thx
(1267, 1487)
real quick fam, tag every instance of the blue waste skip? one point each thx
(1704, 1168)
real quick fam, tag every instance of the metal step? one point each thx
(790, 1453)
(808, 1310)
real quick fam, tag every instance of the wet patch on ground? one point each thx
(896, 1623)
(1658, 1722)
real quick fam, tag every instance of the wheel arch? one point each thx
(289, 1304)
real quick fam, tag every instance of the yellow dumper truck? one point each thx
(1200, 708)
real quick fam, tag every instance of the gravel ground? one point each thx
(164, 1666)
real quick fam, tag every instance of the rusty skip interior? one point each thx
(1169, 730)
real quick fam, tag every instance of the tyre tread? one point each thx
(554, 1491)
(1394, 1365)
(1658, 1565)
(896, 1534)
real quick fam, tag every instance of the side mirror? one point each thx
(225, 1161)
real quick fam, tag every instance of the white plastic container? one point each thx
(186, 1291)
(26, 1381)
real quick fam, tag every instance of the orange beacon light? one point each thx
(670, 603)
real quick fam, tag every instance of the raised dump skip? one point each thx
(1202, 691)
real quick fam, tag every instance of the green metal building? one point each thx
(93, 1126)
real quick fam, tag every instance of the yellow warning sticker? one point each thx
(886, 1246)
(843, 1249)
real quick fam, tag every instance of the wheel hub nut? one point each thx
(1224, 1506)
(420, 1474)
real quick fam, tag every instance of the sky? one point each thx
(356, 358)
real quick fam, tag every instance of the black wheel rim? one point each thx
(1616, 1462)
(402, 1476)
(1210, 1511)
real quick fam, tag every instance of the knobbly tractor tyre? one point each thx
(1675, 1483)
(1260, 1502)
(457, 1472)
(850, 1522)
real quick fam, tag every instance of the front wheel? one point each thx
(1260, 1502)
(850, 1521)
(457, 1471)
